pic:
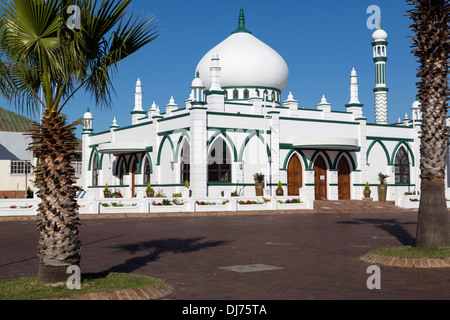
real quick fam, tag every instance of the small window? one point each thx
(78, 166)
(235, 94)
(18, 167)
(246, 94)
(147, 171)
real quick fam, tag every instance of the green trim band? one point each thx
(381, 90)
(380, 59)
(320, 120)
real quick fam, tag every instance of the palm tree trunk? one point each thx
(433, 222)
(58, 220)
(432, 48)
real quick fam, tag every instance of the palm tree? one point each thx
(432, 48)
(45, 52)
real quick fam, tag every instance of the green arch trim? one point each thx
(247, 140)
(99, 159)
(141, 163)
(404, 143)
(388, 158)
(349, 156)
(288, 157)
(324, 153)
(161, 145)
(224, 134)
(179, 143)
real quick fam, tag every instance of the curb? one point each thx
(145, 293)
(406, 262)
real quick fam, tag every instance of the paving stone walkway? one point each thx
(320, 207)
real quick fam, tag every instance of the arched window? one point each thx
(273, 95)
(147, 171)
(219, 162)
(246, 94)
(185, 163)
(95, 170)
(257, 92)
(235, 94)
(402, 171)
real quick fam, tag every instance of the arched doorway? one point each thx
(320, 178)
(343, 179)
(294, 176)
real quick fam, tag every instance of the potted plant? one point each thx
(106, 192)
(150, 192)
(279, 192)
(367, 191)
(30, 194)
(259, 184)
(382, 187)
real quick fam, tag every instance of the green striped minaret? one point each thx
(381, 90)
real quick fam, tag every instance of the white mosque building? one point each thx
(234, 125)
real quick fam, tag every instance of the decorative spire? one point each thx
(241, 24)
(114, 125)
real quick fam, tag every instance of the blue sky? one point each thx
(321, 42)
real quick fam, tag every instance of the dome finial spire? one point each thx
(241, 24)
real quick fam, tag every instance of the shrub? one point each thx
(259, 177)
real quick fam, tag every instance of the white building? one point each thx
(17, 162)
(234, 125)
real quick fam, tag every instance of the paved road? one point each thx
(316, 255)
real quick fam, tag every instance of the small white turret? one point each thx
(88, 122)
(172, 106)
(324, 105)
(114, 125)
(198, 89)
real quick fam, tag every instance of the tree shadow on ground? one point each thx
(157, 248)
(392, 226)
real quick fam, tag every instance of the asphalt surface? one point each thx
(309, 256)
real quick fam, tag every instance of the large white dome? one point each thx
(246, 62)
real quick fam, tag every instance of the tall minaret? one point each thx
(215, 73)
(354, 106)
(138, 112)
(381, 91)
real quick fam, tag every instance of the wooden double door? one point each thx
(344, 179)
(295, 178)
(320, 177)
